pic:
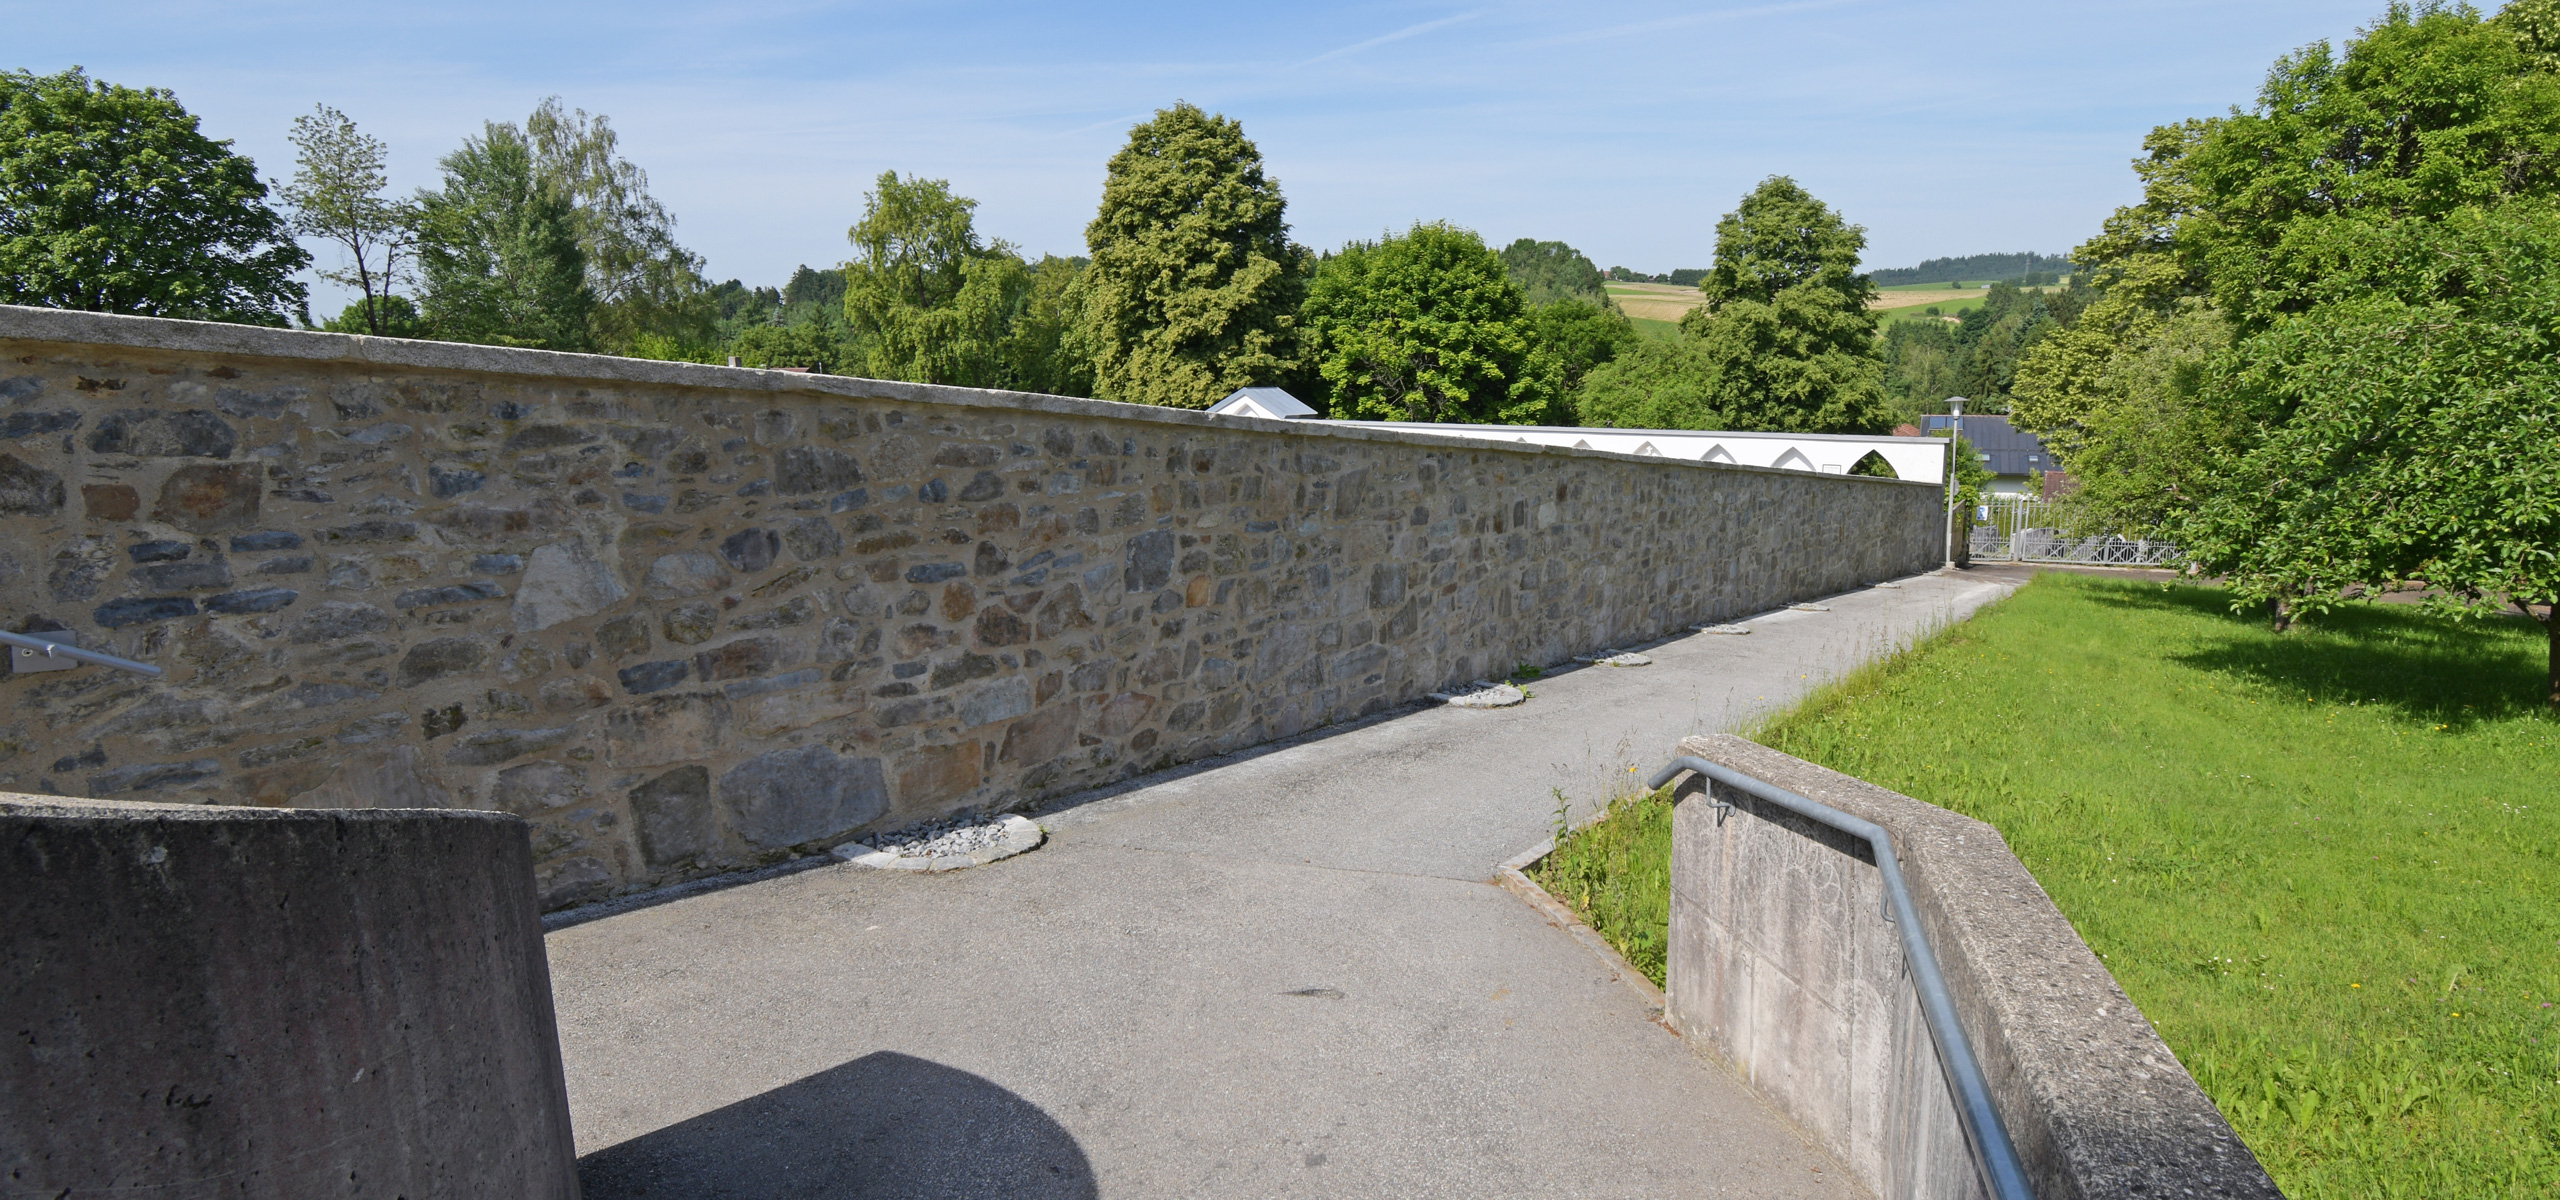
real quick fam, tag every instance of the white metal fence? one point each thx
(2025, 529)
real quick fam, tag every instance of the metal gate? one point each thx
(2026, 529)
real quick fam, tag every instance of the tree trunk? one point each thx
(2550, 618)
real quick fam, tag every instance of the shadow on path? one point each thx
(882, 1125)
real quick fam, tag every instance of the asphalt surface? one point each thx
(1283, 973)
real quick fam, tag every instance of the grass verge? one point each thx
(1615, 874)
(2326, 864)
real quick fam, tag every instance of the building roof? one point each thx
(1274, 403)
(2006, 449)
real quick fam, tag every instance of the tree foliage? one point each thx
(498, 252)
(1581, 335)
(337, 196)
(1194, 287)
(2322, 357)
(1426, 325)
(2024, 265)
(2408, 428)
(2256, 217)
(112, 200)
(1785, 340)
(642, 280)
(1976, 354)
(1552, 271)
(932, 302)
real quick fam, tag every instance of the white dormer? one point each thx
(1270, 403)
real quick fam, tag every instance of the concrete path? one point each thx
(1286, 973)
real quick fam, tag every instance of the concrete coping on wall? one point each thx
(2097, 1104)
(214, 337)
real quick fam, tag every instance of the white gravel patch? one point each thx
(950, 844)
(1483, 693)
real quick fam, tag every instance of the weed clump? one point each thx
(1615, 874)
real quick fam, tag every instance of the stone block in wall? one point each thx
(563, 581)
(786, 798)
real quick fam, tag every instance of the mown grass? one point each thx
(2326, 864)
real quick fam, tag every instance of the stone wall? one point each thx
(1782, 965)
(685, 619)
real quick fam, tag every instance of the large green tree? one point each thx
(644, 282)
(111, 200)
(2406, 425)
(2258, 235)
(1426, 325)
(1786, 340)
(933, 302)
(1194, 286)
(498, 251)
(337, 196)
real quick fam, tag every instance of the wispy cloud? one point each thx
(1667, 24)
(1397, 36)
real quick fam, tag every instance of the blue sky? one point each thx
(1948, 127)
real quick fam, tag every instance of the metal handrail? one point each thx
(1995, 1157)
(75, 653)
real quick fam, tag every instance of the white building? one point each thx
(1917, 458)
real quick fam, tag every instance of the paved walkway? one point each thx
(1283, 974)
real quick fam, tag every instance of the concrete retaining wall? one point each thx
(1782, 965)
(243, 1002)
(685, 619)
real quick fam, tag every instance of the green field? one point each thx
(2325, 863)
(1920, 312)
(1652, 328)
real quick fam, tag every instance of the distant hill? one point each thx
(1976, 268)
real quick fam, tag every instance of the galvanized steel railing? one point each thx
(45, 649)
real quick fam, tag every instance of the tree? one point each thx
(1654, 383)
(337, 196)
(381, 316)
(933, 303)
(498, 250)
(1581, 335)
(111, 200)
(2407, 427)
(913, 251)
(1194, 288)
(1427, 326)
(2314, 198)
(1552, 271)
(642, 280)
(1786, 341)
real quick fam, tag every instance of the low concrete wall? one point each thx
(1782, 965)
(222, 1001)
(686, 619)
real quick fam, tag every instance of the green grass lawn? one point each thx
(2326, 864)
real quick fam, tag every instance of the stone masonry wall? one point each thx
(685, 619)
